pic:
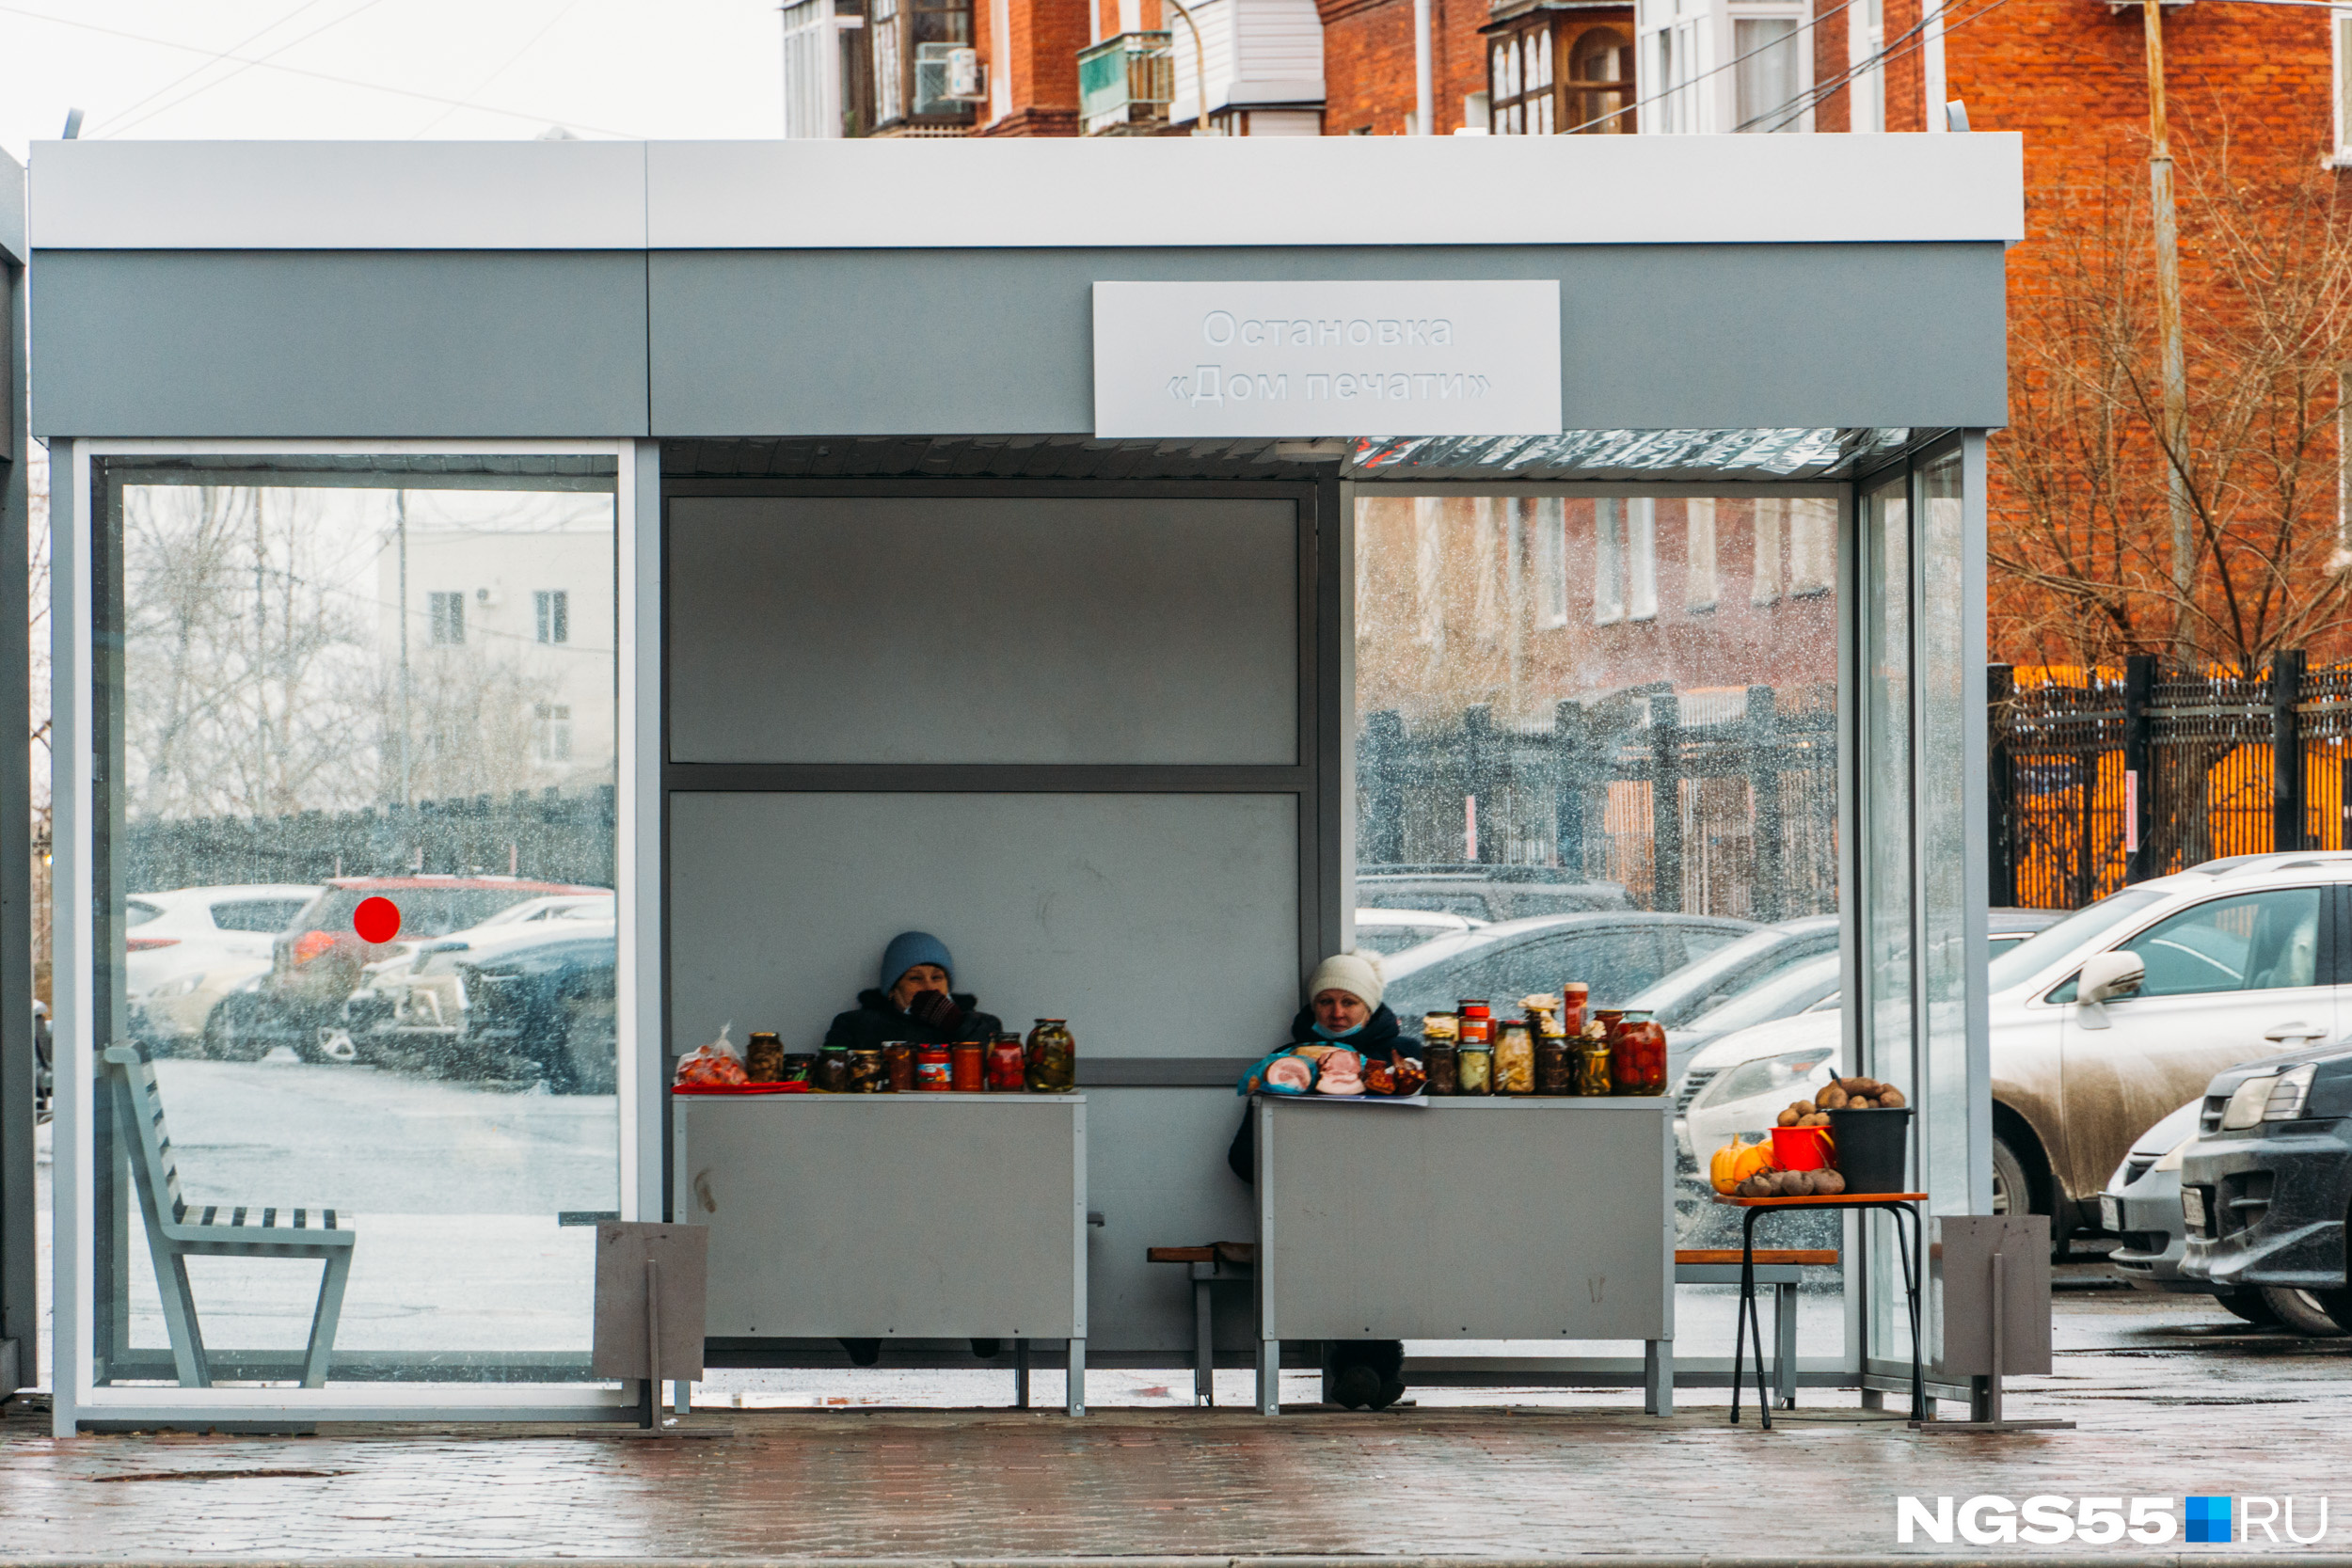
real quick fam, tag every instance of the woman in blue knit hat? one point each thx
(914, 1003)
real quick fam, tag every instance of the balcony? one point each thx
(1124, 86)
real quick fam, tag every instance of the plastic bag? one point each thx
(713, 1066)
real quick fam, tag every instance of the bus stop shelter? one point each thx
(809, 541)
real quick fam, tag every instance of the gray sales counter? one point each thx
(894, 1216)
(1470, 1218)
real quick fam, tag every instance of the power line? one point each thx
(1659, 97)
(207, 87)
(528, 44)
(204, 65)
(318, 75)
(1905, 43)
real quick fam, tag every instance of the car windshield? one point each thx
(2045, 947)
(1790, 990)
(1676, 999)
(424, 911)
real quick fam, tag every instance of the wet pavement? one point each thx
(2172, 1397)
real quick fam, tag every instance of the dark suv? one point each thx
(2266, 1186)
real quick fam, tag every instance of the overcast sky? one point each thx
(388, 69)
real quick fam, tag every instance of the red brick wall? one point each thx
(1040, 60)
(1368, 62)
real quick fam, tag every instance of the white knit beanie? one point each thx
(1356, 973)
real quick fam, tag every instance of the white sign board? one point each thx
(1307, 359)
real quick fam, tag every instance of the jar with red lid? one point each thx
(1637, 1056)
(1007, 1065)
(932, 1070)
(1478, 1024)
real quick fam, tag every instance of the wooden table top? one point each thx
(1822, 1200)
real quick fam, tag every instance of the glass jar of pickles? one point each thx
(1592, 1065)
(1053, 1066)
(1637, 1056)
(1475, 1069)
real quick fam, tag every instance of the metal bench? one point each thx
(1783, 1269)
(177, 1230)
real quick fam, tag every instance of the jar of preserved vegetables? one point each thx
(833, 1071)
(1637, 1056)
(1515, 1058)
(1592, 1066)
(865, 1072)
(1553, 1072)
(1475, 1069)
(1438, 1059)
(898, 1067)
(967, 1068)
(762, 1058)
(1008, 1064)
(1573, 998)
(1052, 1066)
(933, 1070)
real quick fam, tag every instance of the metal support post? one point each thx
(2139, 691)
(2286, 750)
(1665, 801)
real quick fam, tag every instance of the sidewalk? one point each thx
(2172, 1398)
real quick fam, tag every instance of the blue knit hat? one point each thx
(908, 948)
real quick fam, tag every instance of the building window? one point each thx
(1765, 81)
(1429, 570)
(1519, 82)
(1600, 83)
(1812, 546)
(553, 611)
(1641, 586)
(1608, 562)
(911, 41)
(1698, 551)
(1551, 563)
(552, 732)
(1866, 40)
(447, 613)
(1766, 588)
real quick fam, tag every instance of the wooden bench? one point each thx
(177, 1230)
(1781, 1268)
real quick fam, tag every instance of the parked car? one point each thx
(529, 999)
(2266, 1184)
(315, 961)
(1617, 953)
(1740, 1080)
(189, 948)
(1732, 970)
(2141, 1208)
(1484, 892)
(1387, 931)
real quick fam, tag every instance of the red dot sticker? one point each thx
(376, 920)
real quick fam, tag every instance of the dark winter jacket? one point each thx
(1380, 1034)
(875, 1020)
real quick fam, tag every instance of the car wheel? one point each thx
(2301, 1311)
(2012, 1191)
(2337, 1304)
(2249, 1306)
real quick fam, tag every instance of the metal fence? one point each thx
(1707, 802)
(2100, 779)
(548, 837)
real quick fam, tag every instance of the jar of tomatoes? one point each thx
(1637, 1056)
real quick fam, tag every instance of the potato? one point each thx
(1797, 1183)
(1864, 1086)
(1830, 1098)
(1891, 1098)
(1818, 1119)
(1828, 1184)
(1861, 1103)
(1804, 1107)
(1756, 1186)
(1787, 1118)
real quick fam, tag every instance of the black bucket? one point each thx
(1870, 1147)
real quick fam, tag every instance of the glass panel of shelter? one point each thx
(1621, 701)
(380, 695)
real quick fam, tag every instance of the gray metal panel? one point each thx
(12, 211)
(1480, 1219)
(1158, 1178)
(895, 1215)
(1158, 925)
(353, 343)
(982, 630)
(1660, 336)
(20, 1317)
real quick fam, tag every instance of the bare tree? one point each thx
(2085, 540)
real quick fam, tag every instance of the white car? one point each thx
(1387, 931)
(2101, 1024)
(188, 948)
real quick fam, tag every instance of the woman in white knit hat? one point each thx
(1344, 1007)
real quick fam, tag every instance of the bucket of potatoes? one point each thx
(1799, 1159)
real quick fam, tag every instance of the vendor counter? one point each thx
(924, 1216)
(1470, 1218)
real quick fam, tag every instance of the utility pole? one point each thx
(2169, 317)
